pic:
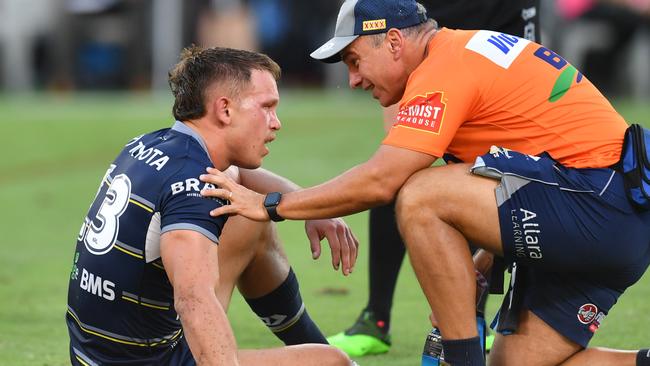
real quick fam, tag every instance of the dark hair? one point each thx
(199, 68)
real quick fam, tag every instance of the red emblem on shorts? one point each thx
(423, 112)
(587, 313)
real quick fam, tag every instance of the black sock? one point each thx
(385, 259)
(463, 352)
(284, 313)
(643, 357)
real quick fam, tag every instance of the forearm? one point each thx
(356, 190)
(207, 330)
(264, 181)
(192, 264)
(373, 183)
(370, 184)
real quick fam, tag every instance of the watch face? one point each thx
(271, 202)
(272, 199)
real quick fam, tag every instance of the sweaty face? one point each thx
(254, 120)
(374, 69)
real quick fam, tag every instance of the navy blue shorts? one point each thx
(574, 235)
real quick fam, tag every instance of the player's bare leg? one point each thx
(267, 269)
(301, 355)
(251, 255)
(241, 241)
(602, 357)
(524, 347)
(438, 209)
(255, 261)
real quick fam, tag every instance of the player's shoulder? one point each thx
(166, 151)
(189, 159)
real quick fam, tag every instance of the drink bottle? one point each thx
(432, 355)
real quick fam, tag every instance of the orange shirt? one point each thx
(476, 89)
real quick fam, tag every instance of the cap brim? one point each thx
(330, 51)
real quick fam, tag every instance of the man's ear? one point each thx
(222, 107)
(395, 42)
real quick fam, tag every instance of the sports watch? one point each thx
(271, 202)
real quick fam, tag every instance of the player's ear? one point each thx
(394, 41)
(222, 106)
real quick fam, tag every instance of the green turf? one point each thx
(55, 149)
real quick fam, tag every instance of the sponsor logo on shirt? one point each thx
(150, 156)
(97, 286)
(191, 186)
(500, 48)
(424, 112)
(376, 24)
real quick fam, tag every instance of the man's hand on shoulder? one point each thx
(243, 201)
(343, 244)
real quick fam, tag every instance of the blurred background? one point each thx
(79, 78)
(63, 45)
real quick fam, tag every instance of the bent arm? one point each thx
(370, 184)
(191, 263)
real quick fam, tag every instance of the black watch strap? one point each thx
(271, 202)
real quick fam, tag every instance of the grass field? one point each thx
(55, 149)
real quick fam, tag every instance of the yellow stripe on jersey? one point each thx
(172, 338)
(140, 204)
(116, 246)
(81, 360)
(145, 304)
(102, 335)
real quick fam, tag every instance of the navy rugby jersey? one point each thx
(120, 300)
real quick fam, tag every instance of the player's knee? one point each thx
(431, 193)
(336, 357)
(414, 198)
(268, 241)
(269, 235)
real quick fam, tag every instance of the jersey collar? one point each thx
(183, 128)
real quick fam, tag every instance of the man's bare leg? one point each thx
(255, 261)
(602, 357)
(301, 355)
(242, 239)
(267, 269)
(251, 256)
(438, 210)
(526, 348)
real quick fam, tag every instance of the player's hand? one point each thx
(343, 244)
(243, 201)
